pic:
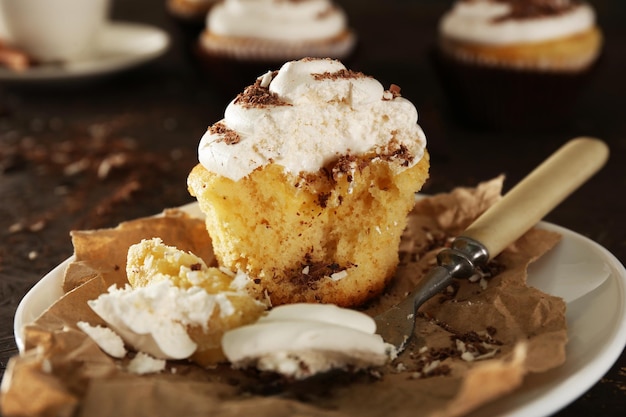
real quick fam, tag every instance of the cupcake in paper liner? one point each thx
(516, 64)
(243, 39)
(307, 181)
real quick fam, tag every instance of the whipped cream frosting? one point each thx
(154, 319)
(293, 20)
(300, 340)
(109, 341)
(498, 22)
(307, 114)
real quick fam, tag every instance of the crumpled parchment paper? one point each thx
(62, 372)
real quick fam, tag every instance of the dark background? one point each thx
(152, 117)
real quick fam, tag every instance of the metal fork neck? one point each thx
(463, 257)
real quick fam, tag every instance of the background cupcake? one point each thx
(245, 38)
(516, 63)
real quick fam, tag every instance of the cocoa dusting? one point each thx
(257, 96)
(229, 136)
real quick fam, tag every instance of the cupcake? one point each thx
(514, 63)
(307, 181)
(245, 38)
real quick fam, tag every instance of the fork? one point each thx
(499, 226)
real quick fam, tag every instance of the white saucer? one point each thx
(120, 46)
(588, 277)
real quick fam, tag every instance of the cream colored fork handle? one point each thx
(537, 194)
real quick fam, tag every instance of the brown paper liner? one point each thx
(72, 376)
(509, 99)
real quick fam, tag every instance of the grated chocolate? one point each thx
(396, 151)
(256, 96)
(310, 272)
(345, 74)
(347, 165)
(229, 136)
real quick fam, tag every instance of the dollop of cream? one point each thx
(154, 319)
(318, 112)
(482, 22)
(301, 340)
(109, 341)
(302, 20)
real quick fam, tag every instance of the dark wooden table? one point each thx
(144, 124)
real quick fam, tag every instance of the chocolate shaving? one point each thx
(394, 89)
(344, 74)
(347, 165)
(393, 92)
(100, 174)
(396, 151)
(322, 199)
(312, 271)
(257, 96)
(229, 136)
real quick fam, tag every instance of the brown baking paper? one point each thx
(63, 373)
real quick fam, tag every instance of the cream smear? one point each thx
(303, 20)
(301, 340)
(154, 319)
(318, 112)
(485, 22)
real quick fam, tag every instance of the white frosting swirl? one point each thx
(303, 20)
(477, 21)
(325, 115)
(300, 340)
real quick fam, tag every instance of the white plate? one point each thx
(120, 46)
(587, 276)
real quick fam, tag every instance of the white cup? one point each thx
(54, 30)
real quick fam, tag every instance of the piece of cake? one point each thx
(175, 306)
(307, 181)
(244, 39)
(518, 64)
